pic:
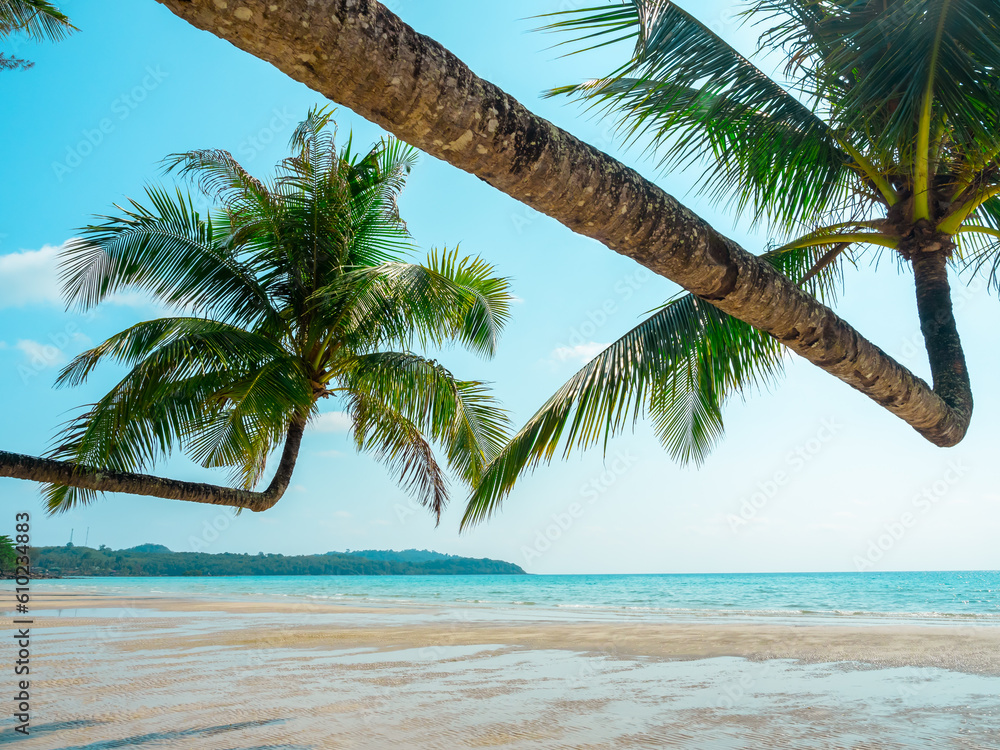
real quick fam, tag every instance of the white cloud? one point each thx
(41, 355)
(30, 277)
(331, 421)
(328, 454)
(343, 514)
(580, 353)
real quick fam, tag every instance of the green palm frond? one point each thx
(696, 98)
(301, 284)
(218, 175)
(677, 366)
(395, 441)
(181, 378)
(480, 298)
(460, 415)
(169, 251)
(446, 299)
(251, 419)
(318, 177)
(894, 58)
(190, 344)
(980, 243)
(817, 269)
(777, 168)
(183, 371)
(317, 132)
(37, 19)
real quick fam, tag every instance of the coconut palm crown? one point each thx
(297, 290)
(879, 135)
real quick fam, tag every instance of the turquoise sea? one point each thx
(931, 597)
(603, 662)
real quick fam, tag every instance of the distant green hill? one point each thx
(406, 555)
(149, 548)
(157, 560)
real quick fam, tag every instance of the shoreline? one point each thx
(201, 672)
(965, 648)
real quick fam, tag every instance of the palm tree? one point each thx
(883, 137)
(8, 555)
(36, 19)
(296, 291)
(362, 55)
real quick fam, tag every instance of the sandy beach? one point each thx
(116, 672)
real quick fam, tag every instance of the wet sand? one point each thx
(971, 649)
(165, 672)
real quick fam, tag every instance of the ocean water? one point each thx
(919, 597)
(218, 678)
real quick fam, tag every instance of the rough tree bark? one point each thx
(937, 323)
(361, 55)
(48, 471)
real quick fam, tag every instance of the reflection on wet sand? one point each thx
(228, 679)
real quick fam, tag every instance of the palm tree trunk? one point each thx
(49, 471)
(361, 55)
(937, 323)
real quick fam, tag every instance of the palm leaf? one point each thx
(446, 299)
(187, 376)
(169, 251)
(37, 19)
(695, 97)
(675, 366)
(461, 415)
(398, 443)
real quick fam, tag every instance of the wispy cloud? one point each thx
(30, 277)
(331, 421)
(41, 355)
(580, 353)
(328, 454)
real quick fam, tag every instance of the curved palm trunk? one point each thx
(937, 323)
(47, 470)
(361, 55)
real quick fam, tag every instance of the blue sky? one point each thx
(812, 476)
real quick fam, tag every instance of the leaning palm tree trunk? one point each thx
(362, 56)
(101, 480)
